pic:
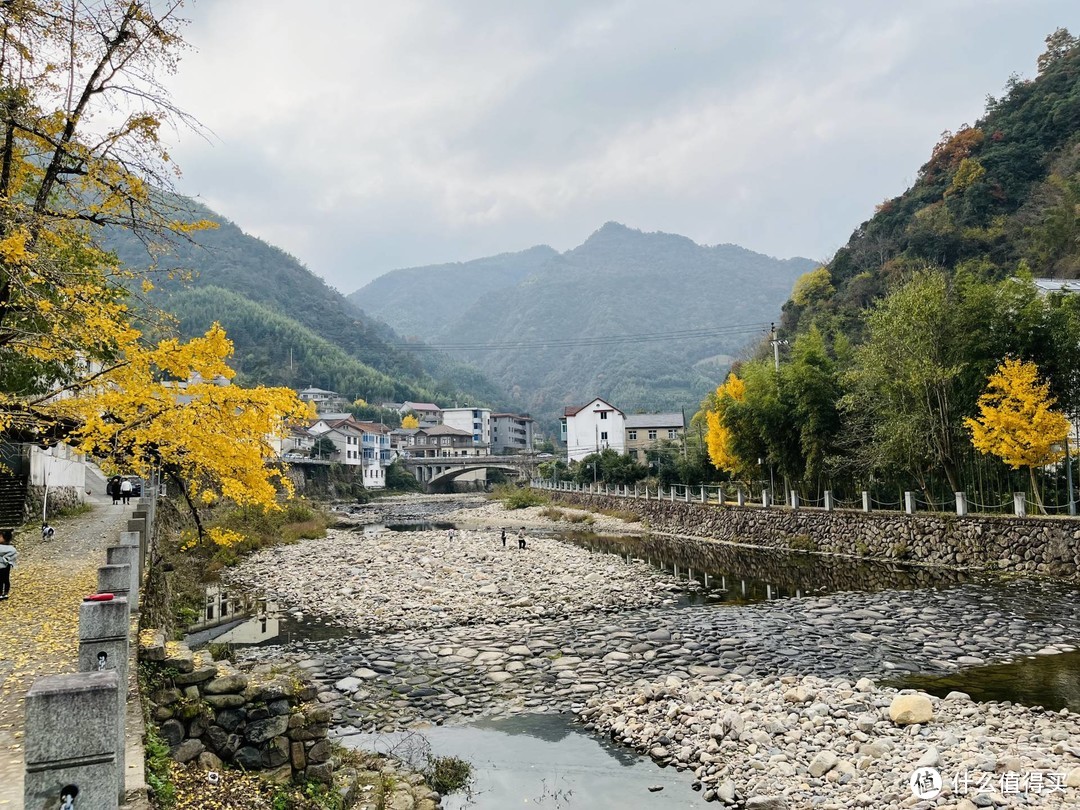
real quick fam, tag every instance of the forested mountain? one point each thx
(646, 320)
(300, 311)
(411, 298)
(924, 356)
(993, 195)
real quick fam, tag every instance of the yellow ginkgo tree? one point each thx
(718, 438)
(82, 106)
(1017, 422)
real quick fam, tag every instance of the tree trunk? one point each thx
(1035, 492)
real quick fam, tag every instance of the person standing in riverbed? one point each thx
(521, 538)
(504, 536)
(9, 555)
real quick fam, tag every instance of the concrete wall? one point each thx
(1026, 545)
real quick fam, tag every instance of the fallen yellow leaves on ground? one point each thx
(39, 626)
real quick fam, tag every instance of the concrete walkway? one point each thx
(39, 624)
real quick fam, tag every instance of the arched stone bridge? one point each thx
(438, 473)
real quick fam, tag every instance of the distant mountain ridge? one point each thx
(260, 293)
(646, 320)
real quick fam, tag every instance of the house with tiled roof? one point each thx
(645, 430)
(590, 428)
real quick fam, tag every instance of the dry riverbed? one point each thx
(390, 580)
(760, 701)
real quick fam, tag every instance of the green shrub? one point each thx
(159, 768)
(448, 774)
(519, 497)
(802, 542)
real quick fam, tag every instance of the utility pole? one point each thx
(776, 344)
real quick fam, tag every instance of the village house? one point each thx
(440, 441)
(591, 428)
(511, 433)
(646, 430)
(476, 421)
(325, 402)
(428, 413)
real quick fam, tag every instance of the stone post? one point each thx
(740, 496)
(686, 494)
(129, 556)
(829, 504)
(703, 493)
(720, 495)
(865, 501)
(672, 493)
(961, 504)
(635, 492)
(115, 579)
(1020, 504)
(103, 647)
(70, 742)
(794, 499)
(138, 526)
(909, 502)
(766, 499)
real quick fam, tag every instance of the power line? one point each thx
(600, 340)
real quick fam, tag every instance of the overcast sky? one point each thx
(366, 136)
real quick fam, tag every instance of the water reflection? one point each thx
(740, 574)
(232, 615)
(1050, 681)
(542, 759)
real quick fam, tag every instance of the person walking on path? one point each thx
(504, 536)
(114, 489)
(9, 555)
(521, 538)
(125, 491)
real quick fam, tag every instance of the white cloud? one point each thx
(364, 136)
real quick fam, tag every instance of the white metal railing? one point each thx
(763, 497)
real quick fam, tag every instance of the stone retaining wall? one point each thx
(211, 712)
(1042, 546)
(60, 498)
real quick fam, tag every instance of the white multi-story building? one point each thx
(476, 421)
(511, 432)
(592, 428)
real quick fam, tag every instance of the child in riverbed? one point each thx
(521, 538)
(9, 555)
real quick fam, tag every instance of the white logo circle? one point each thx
(925, 783)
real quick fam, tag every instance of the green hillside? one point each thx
(225, 258)
(638, 318)
(404, 298)
(996, 194)
(888, 349)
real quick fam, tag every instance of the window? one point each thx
(631, 435)
(633, 454)
(672, 433)
(652, 435)
(603, 414)
(603, 436)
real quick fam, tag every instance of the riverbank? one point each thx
(795, 743)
